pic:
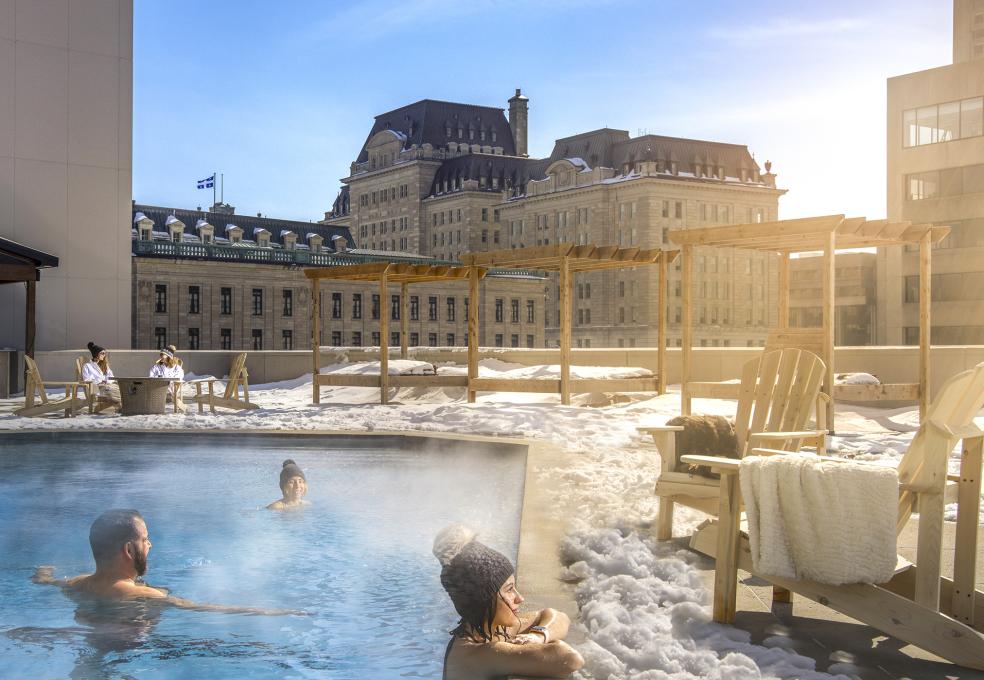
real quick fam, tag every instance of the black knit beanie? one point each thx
(472, 575)
(289, 470)
(94, 349)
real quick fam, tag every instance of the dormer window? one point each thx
(314, 242)
(234, 233)
(146, 232)
(290, 240)
(207, 238)
(175, 228)
(493, 135)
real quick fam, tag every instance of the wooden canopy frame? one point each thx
(569, 259)
(826, 234)
(20, 264)
(386, 273)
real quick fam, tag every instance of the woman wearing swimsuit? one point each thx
(493, 638)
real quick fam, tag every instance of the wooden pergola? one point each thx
(569, 259)
(385, 274)
(20, 264)
(825, 234)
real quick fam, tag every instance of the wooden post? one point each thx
(383, 342)
(404, 320)
(687, 327)
(925, 326)
(726, 570)
(30, 323)
(315, 338)
(661, 326)
(565, 331)
(473, 306)
(783, 290)
(968, 517)
(827, 284)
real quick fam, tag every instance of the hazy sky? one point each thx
(280, 96)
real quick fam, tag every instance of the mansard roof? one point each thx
(426, 122)
(249, 224)
(513, 172)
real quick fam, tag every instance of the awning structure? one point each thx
(565, 258)
(825, 234)
(21, 264)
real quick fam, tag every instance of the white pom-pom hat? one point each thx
(449, 542)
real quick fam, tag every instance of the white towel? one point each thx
(825, 521)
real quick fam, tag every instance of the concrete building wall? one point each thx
(936, 175)
(66, 73)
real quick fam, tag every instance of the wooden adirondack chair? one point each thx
(35, 385)
(919, 604)
(776, 397)
(231, 398)
(96, 402)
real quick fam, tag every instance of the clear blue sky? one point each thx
(281, 95)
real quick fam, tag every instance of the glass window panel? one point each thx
(926, 120)
(949, 123)
(972, 117)
(951, 182)
(973, 179)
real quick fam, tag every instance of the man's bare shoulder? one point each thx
(117, 590)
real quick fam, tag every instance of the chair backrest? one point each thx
(79, 363)
(237, 376)
(778, 393)
(810, 339)
(924, 465)
(34, 381)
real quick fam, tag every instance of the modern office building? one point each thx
(440, 179)
(66, 72)
(936, 174)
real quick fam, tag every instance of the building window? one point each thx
(395, 307)
(356, 339)
(375, 306)
(287, 337)
(498, 311)
(514, 310)
(375, 339)
(530, 311)
(450, 302)
(395, 339)
(678, 210)
(336, 305)
(336, 338)
(514, 340)
(530, 341)
(160, 335)
(414, 308)
(288, 309)
(193, 338)
(257, 302)
(498, 339)
(485, 214)
(432, 339)
(257, 339)
(450, 340)
(943, 122)
(160, 298)
(432, 309)
(225, 338)
(357, 306)
(194, 300)
(414, 339)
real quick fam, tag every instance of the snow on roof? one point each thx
(286, 232)
(139, 217)
(171, 219)
(260, 230)
(202, 223)
(313, 235)
(574, 160)
(230, 227)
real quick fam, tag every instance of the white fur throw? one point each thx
(825, 521)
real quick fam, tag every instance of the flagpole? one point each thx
(213, 190)
(222, 192)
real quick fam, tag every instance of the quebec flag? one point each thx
(206, 183)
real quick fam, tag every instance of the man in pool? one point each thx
(293, 485)
(120, 546)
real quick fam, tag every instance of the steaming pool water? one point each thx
(357, 559)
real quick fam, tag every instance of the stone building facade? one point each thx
(200, 291)
(936, 175)
(442, 179)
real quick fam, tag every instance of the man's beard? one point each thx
(140, 563)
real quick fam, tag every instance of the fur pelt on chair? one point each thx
(704, 435)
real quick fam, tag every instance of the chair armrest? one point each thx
(716, 463)
(780, 436)
(777, 452)
(199, 380)
(63, 383)
(655, 429)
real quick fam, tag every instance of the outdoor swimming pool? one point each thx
(358, 559)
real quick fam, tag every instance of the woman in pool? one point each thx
(492, 638)
(293, 484)
(98, 373)
(169, 366)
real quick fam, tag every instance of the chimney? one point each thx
(518, 121)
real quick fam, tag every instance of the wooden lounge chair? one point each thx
(231, 398)
(918, 605)
(776, 397)
(96, 402)
(35, 385)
